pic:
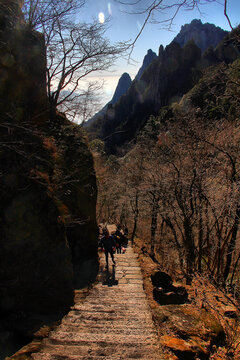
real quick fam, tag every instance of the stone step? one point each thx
(96, 350)
(105, 318)
(139, 323)
(131, 308)
(125, 329)
(115, 298)
(47, 356)
(81, 337)
(107, 322)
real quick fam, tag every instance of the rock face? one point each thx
(122, 87)
(47, 191)
(175, 72)
(164, 81)
(164, 292)
(77, 198)
(148, 59)
(204, 35)
(22, 66)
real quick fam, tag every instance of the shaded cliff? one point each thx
(123, 85)
(48, 191)
(148, 59)
(165, 81)
(204, 35)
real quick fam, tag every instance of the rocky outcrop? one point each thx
(163, 83)
(122, 87)
(148, 59)
(76, 192)
(47, 191)
(204, 35)
(164, 292)
(22, 67)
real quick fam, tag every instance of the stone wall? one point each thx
(48, 232)
(22, 67)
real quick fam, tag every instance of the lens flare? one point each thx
(139, 25)
(109, 9)
(101, 17)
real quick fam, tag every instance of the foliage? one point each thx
(179, 185)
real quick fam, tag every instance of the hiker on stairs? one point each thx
(107, 242)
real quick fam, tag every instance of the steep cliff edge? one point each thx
(171, 75)
(148, 59)
(48, 240)
(204, 35)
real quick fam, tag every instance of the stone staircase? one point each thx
(113, 322)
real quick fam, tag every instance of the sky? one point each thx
(125, 26)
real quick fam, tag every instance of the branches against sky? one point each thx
(155, 10)
(74, 50)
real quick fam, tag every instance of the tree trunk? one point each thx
(180, 251)
(231, 245)
(154, 225)
(190, 249)
(136, 212)
(200, 238)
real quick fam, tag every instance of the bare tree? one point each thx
(42, 14)
(164, 12)
(74, 51)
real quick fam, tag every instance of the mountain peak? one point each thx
(148, 58)
(203, 35)
(123, 84)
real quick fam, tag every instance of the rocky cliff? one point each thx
(148, 59)
(122, 87)
(48, 192)
(172, 74)
(164, 81)
(204, 35)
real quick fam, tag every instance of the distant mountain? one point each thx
(171, 75)
(204, 35)
(122, 87)
(146, 62)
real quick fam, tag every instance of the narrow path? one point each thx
(114, 322)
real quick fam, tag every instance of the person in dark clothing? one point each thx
(119, 239)
(107, 242)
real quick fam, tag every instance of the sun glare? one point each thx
(101, 17)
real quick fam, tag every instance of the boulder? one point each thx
(231, 312)
(169, 297)
(185, 350)
(162, 279)
(196, 331)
